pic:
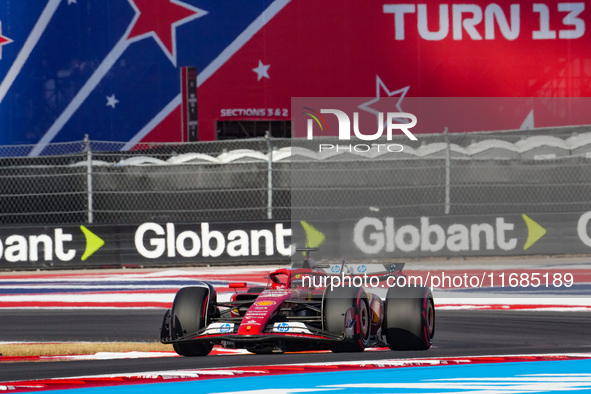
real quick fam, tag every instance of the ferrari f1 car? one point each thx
(302, 308)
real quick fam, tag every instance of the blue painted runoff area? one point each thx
(514, 377)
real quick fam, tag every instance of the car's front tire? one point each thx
(188, 315)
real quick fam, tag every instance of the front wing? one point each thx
(218, 332)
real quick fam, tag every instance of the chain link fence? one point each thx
(254, 179)
(96, 182)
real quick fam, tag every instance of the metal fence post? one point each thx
(88, 177)
(447, 171)
(269, 175)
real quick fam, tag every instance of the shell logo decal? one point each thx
(265, 303)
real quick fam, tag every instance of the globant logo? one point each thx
(154, 241)
(60, 246)
(374, 235)
(395, 121)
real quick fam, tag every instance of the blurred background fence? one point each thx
(542, 170)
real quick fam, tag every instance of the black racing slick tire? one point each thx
(337, 302)
(188, 315)
(409, 321)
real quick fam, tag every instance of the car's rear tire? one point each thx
(337, 301)
(409, 321)
(188, 315)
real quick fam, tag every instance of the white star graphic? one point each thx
(72, 2)
(112, 101)
(379, 87)
(262, 71)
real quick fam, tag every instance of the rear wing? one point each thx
(354, 269)
(346, 268)
(306, 251)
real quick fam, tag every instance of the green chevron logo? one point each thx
(93, 243)
(314, 238)
(534, 232)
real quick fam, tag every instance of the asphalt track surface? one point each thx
(458, 333)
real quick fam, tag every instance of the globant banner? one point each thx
(371, 237)
(144, 244)
(375, 237)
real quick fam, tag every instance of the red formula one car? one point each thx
(304, 307)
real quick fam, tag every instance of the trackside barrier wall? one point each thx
(369, 238)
